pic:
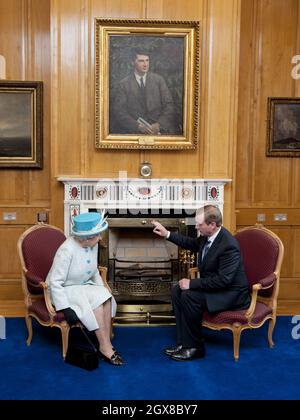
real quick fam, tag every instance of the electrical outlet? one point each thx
(42, 217)
(8, 217)
(280, 217)
(260, 217)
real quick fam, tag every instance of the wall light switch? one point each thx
(8, 217)
(260, 217)
(280, 217)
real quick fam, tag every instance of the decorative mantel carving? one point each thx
(123, 194)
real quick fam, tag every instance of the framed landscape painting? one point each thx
(21, 124)
(283, 125)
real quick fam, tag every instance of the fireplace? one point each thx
(142, 267)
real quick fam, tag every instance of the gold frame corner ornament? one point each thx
(159, 34)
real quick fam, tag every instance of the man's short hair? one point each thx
(139, 51)
(211, 214)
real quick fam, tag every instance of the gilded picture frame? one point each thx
(283, 127)
(163, 111)
(21, 124)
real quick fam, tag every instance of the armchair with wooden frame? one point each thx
(37, 247)
(262, 252)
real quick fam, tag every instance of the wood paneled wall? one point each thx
(73, 92)
(268, 185)
(246, 49)
(25, 44)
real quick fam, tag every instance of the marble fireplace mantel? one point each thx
(121, 194)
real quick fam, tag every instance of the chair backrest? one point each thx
(37, 247)
(262, 253)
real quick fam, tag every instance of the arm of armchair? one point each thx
(265, 283)
(48, 302)
(103, 274)
(34, 281)
(268, 281)
(193, 272)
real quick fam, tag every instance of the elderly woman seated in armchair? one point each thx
(76, 287)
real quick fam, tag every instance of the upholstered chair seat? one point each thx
(260, 312)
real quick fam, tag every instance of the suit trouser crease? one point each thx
(188, 306)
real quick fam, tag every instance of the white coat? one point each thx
(75, 282)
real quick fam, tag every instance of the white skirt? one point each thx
(84, 299)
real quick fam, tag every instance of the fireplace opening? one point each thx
(142, 268)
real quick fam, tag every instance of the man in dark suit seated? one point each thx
(222, 284)
(142, 103)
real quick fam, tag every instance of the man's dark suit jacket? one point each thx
(222, 276)
(129, 104)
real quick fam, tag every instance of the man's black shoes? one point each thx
(172, 350)
(186, 354)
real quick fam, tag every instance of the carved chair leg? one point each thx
(236, 331)
(272, 323)
(65, 339)
(28, 321)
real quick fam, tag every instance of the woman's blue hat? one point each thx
(89, 224)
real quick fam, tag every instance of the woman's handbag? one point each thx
(81, 351)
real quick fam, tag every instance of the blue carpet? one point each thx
(38, 371)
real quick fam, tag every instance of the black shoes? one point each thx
(172, 350)
(186, 354)
(183, 353)
(116, 359)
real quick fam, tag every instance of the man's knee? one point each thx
(186, 296)
(193, 301)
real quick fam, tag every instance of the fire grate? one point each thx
(146, 278)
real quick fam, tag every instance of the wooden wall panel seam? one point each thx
(55, 70)
(234, 107)
(256, 85)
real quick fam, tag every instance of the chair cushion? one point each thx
(39, 308)
(230, 317)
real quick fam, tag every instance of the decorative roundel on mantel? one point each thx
(101, 192)
(144, 191)
(187, 193)
(213, 192)
(74, 192)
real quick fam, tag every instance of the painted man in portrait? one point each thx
(142, 103)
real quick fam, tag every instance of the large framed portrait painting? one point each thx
(146, 84)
